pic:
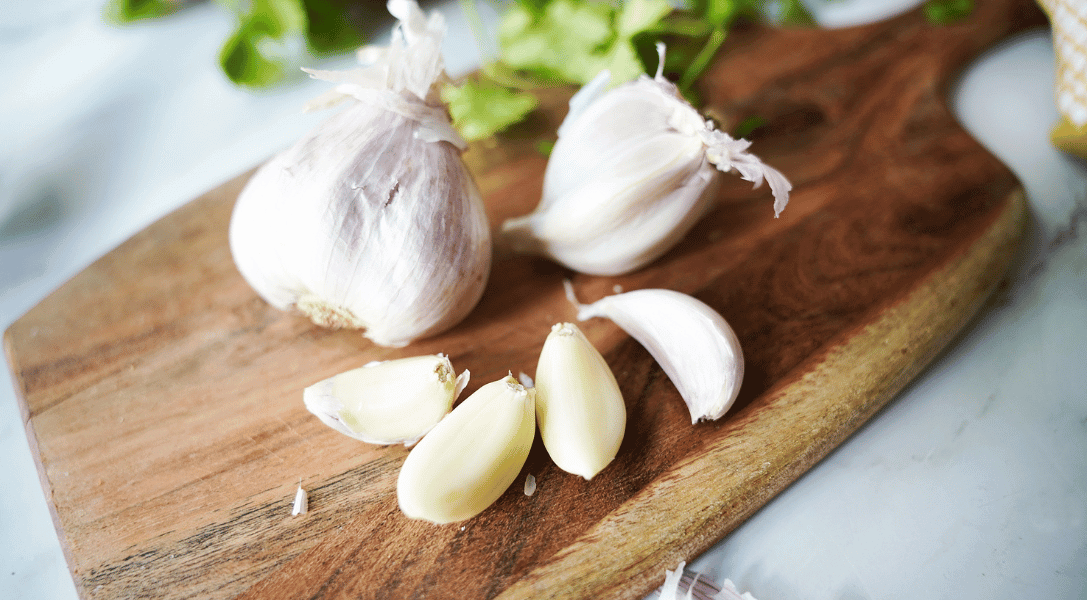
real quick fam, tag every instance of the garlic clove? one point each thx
(579, 407)
(692, 343)
(391, 402)
(634, 168)
(372, 220)
(471, 457)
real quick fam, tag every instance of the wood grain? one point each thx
(162, 398)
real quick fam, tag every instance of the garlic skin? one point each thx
(634, 168)
(698, 587)
(301, 502)
(692, 343)
(372, 220)
(391, 402)
(471, 457)
(579, 407)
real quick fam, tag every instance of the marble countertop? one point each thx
(972, 483)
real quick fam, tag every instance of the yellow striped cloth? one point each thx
(1068, 19)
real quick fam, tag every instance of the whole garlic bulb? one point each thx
(372, 220)
(633, 170)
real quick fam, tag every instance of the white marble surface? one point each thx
(971, 484)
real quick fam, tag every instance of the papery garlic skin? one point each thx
(693, 343)
(372, 220)
(301, 502)
(392, 402)
(634, 168)
(579, 406)
(471, 457)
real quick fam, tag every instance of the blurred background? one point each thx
(972, 484)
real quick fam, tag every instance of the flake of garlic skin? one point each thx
(525, 379)
(692, 343)
(396, 401)
(634, 168)
(670, 589)
(530, 485)
(371, 220)
(729, 592)
(301, 502)
(579, 406)
(471, 457)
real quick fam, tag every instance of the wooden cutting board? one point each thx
(163, 398)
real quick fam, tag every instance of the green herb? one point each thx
(128, 11)
(545, 147)
(745, 127)
(948, 12)
(255, 54)
(270, 36)
(481, 108)
(568, 42)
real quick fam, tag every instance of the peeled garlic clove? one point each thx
(579, 407)
(634, 168)
(372, 220)
(471, 457)
(391, 402)
(691, 342)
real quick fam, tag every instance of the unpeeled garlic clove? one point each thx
(634, 168)
(391, 402)
(579, 407)
(471, 457)
(692, 343)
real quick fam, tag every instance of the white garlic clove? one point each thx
(372, 220)
(391, 402)
(692, 343)
(634, 168)
(579, 407)
(471, 457)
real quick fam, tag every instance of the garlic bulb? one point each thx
(579, 407)
(634, 168)
(391, 402)
(471, 457)
(372, 220)
(692, 343)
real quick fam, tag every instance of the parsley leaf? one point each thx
(557, 43)
(254, 53)
(482, 108)
(127, 11)
(948, 12)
